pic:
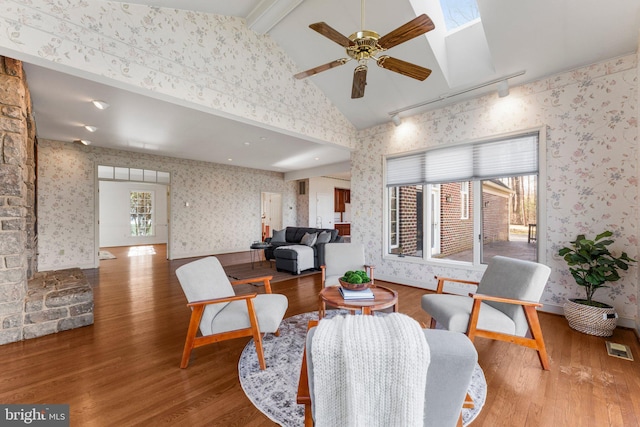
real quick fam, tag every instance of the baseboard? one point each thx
(42, 268)
(624, 322)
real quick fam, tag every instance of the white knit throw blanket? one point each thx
(369, 371)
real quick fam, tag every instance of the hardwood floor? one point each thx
(124, 370)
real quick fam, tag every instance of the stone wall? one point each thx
(31, 304)
(18, 259)
(57, 301)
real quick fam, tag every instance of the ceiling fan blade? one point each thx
(359, 81)
(331, 34)
(411, 29)
(405, 68)
(321, 68)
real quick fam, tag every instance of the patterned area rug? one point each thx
(264, 268)
(273, 391)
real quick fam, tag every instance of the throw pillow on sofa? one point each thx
(279, 236)
(323, 237)
(309, 239)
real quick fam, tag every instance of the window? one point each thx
(141, 213)
(483, 198)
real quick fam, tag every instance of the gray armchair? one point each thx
(220, 314)
(503, 308)
(340, 258)
(453, 359)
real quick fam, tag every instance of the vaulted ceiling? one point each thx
(519, 41)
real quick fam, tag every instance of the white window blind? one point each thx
(466, 162)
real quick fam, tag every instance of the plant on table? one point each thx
(356, 277)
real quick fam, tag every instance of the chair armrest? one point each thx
(220, 300)
(264, 279)
(504, 300)
(441, 280)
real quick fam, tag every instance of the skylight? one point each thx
(458, 13)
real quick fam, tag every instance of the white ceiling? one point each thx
(539, 37)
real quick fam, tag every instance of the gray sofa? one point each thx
(286, 260)
(453, 359)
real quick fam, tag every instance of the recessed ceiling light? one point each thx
(317, 158)
(247, 143)
(101, 105)
(262, 138)
(82, 141)
(90, 128)
(230, 160)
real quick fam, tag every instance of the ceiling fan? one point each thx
(365, 44)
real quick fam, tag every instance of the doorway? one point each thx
(133, 208)
(271, 215)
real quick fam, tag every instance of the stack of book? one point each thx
(349, 294)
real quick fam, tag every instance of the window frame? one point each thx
(477, 207)
(464, 199)
(152, 197)
(397, 220)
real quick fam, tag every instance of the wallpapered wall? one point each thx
(223, 213)
(214, 62)
(591, 120)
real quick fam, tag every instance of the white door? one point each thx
(324, 210)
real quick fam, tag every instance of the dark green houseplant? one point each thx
(592, 265)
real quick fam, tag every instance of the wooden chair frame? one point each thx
(197, 307)
(529, 307)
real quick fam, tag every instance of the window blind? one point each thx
(466, 162)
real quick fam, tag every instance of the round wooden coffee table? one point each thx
(382, 298)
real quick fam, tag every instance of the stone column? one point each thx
(17, 197)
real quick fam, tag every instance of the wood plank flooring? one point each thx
(123, 370)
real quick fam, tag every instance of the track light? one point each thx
(90, 128)
(82, 141)
(396, 120)
(503, 88)
(101, 105)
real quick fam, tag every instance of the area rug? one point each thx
(259, 269)
(273, 391)
(106, 255)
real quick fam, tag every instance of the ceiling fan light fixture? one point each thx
(503, 88)
(396, 120)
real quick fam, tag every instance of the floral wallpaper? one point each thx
(591, 120)
(209, 60)
(223, 213)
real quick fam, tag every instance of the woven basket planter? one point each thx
(598, 321)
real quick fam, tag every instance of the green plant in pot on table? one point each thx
(355, 280)
(592, 265)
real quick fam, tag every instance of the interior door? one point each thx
(324, 210)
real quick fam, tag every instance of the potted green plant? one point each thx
(592, 265)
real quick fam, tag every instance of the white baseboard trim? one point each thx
(42, 268)
(625, 322)
(209, 253)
